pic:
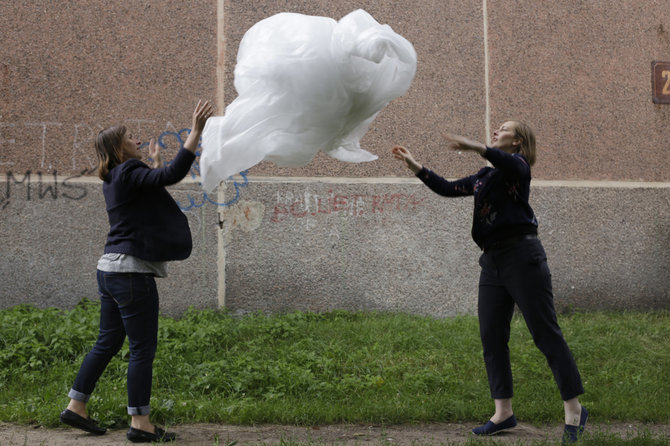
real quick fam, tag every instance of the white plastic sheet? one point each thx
(304, 84)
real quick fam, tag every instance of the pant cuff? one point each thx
(141, 410)
(78, 396)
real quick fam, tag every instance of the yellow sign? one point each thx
(660, 82)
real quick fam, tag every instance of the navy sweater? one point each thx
(501, 196)
(144, 219)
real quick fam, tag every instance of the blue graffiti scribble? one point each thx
(198, 202)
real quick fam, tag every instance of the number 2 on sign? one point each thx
(666, 87)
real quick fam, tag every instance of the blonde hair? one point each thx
(527, 136)
(109, 148)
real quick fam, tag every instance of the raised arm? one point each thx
(463, 144)
(511, 163)
(200, 115)
(138, 175)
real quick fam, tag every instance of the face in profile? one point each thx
(130, 147)
(505, 138)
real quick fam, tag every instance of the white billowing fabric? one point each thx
(304, 84)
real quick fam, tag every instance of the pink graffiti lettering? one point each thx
(308, 204)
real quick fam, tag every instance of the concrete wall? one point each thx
(51, 244)
(393, 245)
(331, 234)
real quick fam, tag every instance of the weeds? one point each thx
(306, 368)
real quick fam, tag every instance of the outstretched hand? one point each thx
(461, 143)
(402, 154)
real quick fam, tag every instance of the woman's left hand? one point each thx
(155, 154)
(461, 143)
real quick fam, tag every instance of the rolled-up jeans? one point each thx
(128, 306)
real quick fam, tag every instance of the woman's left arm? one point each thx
(511, 163)
(461, 143)
(155, 154)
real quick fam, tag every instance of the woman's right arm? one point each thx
(201, 113)
(436, 183)
(180, 166)
(402, 154)
(446, 188)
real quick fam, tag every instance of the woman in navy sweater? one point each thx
(513, 268)
(147, 229)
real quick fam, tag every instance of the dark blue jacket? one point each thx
(144, 219)
(501, 196)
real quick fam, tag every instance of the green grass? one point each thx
(306, 368)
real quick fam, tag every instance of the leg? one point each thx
(140, 318)
(495, 308)
(529, 281)
(138, 304)
(110, 340)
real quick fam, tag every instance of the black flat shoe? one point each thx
(140, 436)
(490, 428)
(571, 434)
(86, 424)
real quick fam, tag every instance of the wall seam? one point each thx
(487, 112)
(220, 104)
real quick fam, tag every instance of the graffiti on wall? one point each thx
(290, 205)
(44, 186)
(202, 198)
(39, 187)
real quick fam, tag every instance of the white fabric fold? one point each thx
(306, 84)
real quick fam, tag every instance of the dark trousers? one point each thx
(518, 274)
(129, 306)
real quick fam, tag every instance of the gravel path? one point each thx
(340, 434)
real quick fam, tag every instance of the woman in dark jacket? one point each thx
(147, 229)
(513, 268)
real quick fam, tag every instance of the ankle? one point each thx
(78, 407)
(142, 423)
(573, 411)
(572, 417)
(503, 410)
(146, 427)
(501, 416)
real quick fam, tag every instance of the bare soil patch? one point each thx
(340, 434)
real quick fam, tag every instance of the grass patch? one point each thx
(307, 368)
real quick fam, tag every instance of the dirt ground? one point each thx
(341, 434)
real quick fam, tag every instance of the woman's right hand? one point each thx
(201, 113)
(402, 154)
